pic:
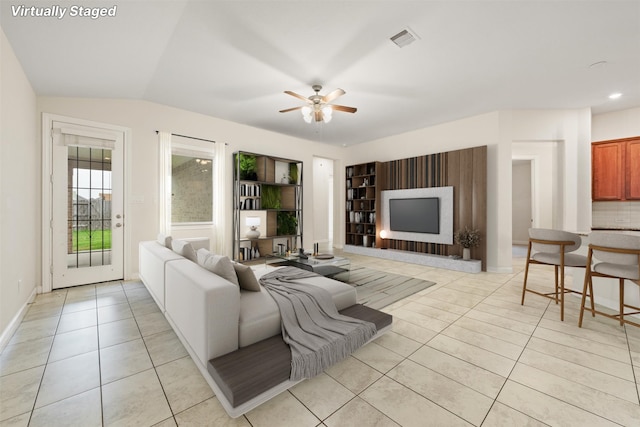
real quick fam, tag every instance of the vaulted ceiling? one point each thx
(234, 59)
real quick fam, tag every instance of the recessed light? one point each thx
(615, 95)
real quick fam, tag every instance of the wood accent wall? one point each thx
(466, 171)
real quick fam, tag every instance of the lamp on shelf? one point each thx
(383, 235)
(253, 222)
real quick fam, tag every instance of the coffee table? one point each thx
(336, 267)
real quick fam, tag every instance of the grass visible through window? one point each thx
(91, 240)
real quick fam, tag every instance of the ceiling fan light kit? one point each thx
(319, 108)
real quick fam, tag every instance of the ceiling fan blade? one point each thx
(288, 92)
(291, 109)
(344, 108)
(332, 95)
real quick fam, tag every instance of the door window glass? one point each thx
(89, 202)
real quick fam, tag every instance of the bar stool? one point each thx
(619, 258)
(553, 247)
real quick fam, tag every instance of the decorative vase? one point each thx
(253, 233)
(466, 254)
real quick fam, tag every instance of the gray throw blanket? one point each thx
(316, 333)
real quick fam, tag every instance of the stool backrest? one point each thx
(553, 235)
(615, 241)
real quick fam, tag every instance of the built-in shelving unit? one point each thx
(363, 185)
(267, 189)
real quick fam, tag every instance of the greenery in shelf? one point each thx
(293, 173)
(248, 167)
(287, 223)
(271, 197)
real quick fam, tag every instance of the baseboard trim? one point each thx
(500, 270)
(438, 261)
(11, 329)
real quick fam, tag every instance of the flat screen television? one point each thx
(415, 215)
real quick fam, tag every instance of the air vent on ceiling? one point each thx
(404, 38)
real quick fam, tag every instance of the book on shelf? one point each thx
(249, 190)
(249, 204)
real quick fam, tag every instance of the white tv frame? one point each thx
(445, 194)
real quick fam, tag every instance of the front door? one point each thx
(87, 204)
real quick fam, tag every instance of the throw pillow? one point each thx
(246, 278)
(185, 249)
(218, 264)
(164, 240)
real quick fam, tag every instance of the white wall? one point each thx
(144, 118)
(621, 124)
(19, 191)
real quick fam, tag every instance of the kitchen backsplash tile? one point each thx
(625, 215)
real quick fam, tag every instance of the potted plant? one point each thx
(287, 223)
(248, 167)
(467, 238)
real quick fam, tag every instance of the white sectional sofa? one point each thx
(226, 328)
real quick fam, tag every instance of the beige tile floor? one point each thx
(463, 352)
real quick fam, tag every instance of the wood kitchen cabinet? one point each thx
(632, 159)
(615, 169)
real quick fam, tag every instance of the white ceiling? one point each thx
(234, 59)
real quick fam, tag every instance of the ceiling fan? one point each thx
(319, 107)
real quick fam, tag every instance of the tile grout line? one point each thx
(384, 375)
(633, 370)
(46, 363)
(551, 396)
(100, 359)
(173, 415)
(514, 367)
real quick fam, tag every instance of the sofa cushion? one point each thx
(260, 316)
(164, 240)
(218, 264)
(246, 279)
(184, 248)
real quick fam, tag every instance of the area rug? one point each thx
(378, 289)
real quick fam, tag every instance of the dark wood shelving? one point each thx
(362, 217)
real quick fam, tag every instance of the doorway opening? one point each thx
(83, 233)
(323, 212)
(522, 201)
